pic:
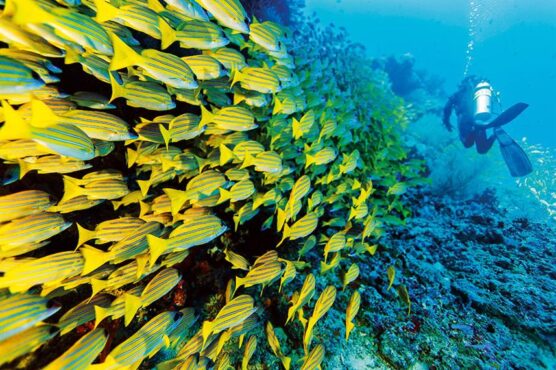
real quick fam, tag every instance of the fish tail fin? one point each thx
(206, 116)
(296, 129)
(42, 115)
(177, 199)
(309, 160)
(144, 208)
(28, 11)
(206, 330)
(247, 161)
(224, 195)
(236, 76)
(101, 313)
(118, 91)
(97, 286)
(116, 204)
(144, 185)
(285, 235)
(349, 328)
(94, 258)
(71, 190)
(84, 235)
(124, 55)
(277, 107)
(280, 219)
(168, 34)
(166, 134)
(23, 168)
(131, 157)
(71, 57)
(226, 155)
(238, 98)
(14, 126)
(105, 11)
(157, 246)
(239, 282)
(286, 362)
(132, 304)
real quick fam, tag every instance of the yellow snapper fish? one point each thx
(233, 118)
(192, 233)
(351, 274)
(69, 24)
(258, 79)
(82, 353)
(146, 342)
(19, 312)
(260, 274)
(229, 13)
(274, 344)
(314, 358)
(250, 348)
(136, 16)
(228, 57)
(301, 228)
(31, 229)
(15, 77)
(109, 231)
(25, 342)
(23, 203)
(101, 189)
(351, 311)
(142, 94)
(129, 247)
(307, 292)
(324, 302)
(239, 191)
(64, 139)
(22, 148)
(164, 67)
(205, 67)
(50, 269)
(232, 314)
(96, 125)
(194, 34)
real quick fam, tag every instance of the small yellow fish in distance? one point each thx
(307, 292)
(274, 344)
(262, 274)
(351, 312)
(324, 302)
(232, 314)
(250, 348)
(314, 359)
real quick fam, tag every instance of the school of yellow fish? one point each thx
(254, 131)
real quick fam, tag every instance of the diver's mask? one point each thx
(482, 98)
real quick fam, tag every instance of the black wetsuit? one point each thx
(469, 133)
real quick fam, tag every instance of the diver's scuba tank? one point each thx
(482, 98)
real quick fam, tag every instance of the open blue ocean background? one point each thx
(511, 42)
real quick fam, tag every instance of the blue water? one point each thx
(514, 46)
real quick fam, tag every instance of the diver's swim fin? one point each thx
(507, 116)
(515, 157)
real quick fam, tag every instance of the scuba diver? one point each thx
(472, 104)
